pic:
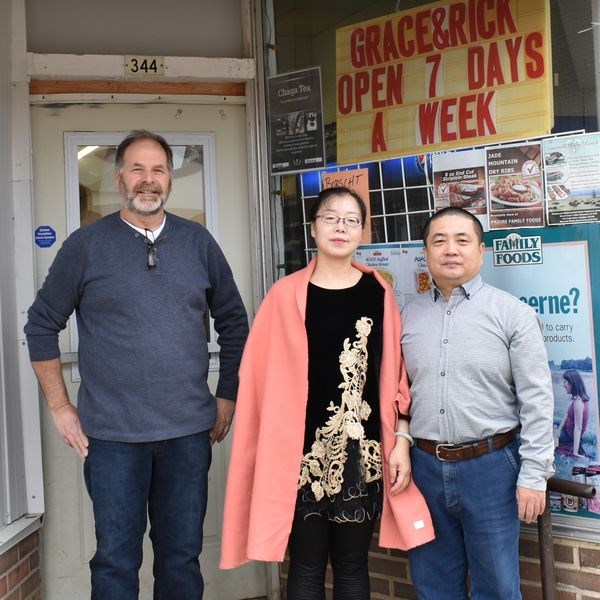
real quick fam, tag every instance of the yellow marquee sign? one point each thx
(444, 75)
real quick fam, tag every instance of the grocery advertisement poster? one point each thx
(554, 280)
(572, 179)
(515, 186)
(459, 181)
(402, 264)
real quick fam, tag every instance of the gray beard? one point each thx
(141, 209)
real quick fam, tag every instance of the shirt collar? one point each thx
(469, 288)
(155, 232)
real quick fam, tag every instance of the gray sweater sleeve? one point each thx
(56, 300)
(231, 322)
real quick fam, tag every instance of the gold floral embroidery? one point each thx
(323, 466)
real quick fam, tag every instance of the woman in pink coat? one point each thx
(321, 443)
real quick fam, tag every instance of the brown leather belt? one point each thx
(454, 452)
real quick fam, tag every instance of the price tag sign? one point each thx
(144, 65)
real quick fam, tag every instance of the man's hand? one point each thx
(225, 410)
(399, 466)
(531, 504)
(68, 426)
(64, 414)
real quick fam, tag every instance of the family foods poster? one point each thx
(554, 280)
(444, 75)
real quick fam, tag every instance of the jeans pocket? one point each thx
(511, 452)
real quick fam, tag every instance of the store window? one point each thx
(301, 34)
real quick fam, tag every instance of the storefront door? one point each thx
(68, 534)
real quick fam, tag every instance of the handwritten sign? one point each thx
(444, 75)
(358, 181)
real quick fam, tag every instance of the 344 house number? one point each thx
(144, 65)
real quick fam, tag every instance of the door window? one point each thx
(91, 192)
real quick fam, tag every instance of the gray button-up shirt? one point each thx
(477, 366)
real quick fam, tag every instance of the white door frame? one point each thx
(27, 66)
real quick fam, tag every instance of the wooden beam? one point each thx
(112, 67)
(41, 87)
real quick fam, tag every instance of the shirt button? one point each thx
(448, 312)
(443, 373)
(442, 411)
(445, 341)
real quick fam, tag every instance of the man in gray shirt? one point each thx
(481, 416)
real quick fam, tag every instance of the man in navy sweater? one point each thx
(141, 282)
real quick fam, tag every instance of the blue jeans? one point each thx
(475, 517)
(166, 480)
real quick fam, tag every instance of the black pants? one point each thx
(312, 542)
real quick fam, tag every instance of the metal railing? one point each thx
(544, 522)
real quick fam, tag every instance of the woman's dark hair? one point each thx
(142, 134)
(326, 195)
(454, 211)
(577, 385)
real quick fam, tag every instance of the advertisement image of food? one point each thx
(387, 276)
(423, 281)
(515, 191)
(464, 195)
(555, 175)
(554, 159)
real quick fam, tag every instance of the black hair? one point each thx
(333, 192)
(454, 211)
(142, 134)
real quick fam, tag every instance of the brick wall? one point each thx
(20, 577)
(577, 566)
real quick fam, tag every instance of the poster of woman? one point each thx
(556, 283)
(570, 433)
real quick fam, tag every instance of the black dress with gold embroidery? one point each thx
(341, 467)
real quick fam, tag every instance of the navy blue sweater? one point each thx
(143, 353)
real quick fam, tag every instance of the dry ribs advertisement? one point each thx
(515, 186)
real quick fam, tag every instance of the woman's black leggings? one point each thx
(312, 542)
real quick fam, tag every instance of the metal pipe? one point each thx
(573, 488)
(546, 543)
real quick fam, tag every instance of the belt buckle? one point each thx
(439, 447)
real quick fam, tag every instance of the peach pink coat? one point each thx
(268, 438)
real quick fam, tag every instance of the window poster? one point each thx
(515, 198)
(554, 280)
(572, 179)
(402, 264)
(459, 181)
(358, 181)
(297, 142)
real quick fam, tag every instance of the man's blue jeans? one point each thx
(475, 517)
(166, 480)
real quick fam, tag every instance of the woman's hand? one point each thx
(399, 466)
